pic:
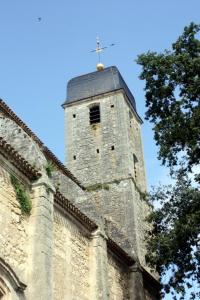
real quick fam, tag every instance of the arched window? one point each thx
(10, 285)
(4, 290)
(1, 293)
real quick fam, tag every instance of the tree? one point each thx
(173, 106)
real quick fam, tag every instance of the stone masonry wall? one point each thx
(119, 127)
(83, 140)
(118, 279)
(27, 243)
(71, 260)
(115, 177)
(31, 151)
(116, 204)
(13, 227)
(21, 142)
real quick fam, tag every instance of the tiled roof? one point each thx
(73, 210)
(18, 161)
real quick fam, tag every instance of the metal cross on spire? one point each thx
(98, 50)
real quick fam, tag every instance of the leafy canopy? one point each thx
(174, 242)
(173, 98)
(172, 85)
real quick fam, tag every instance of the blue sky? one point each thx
(38, 58)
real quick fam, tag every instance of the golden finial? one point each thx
(100, 67)
(98, 50)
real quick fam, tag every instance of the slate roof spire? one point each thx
(97, 83)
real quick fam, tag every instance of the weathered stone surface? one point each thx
(23, 143)
(99, 266)
(40, 270)
(113, 178)
(71, 260)
(118, 279)
(77, 196)
(13, 233)
(13, 225)
(119, 237)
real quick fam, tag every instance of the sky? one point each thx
(44, 43)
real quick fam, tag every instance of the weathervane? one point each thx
(98, 50)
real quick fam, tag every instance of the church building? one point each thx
(76, 231)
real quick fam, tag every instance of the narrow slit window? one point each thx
(112, 147)
(74, 157)
(95, 114)
(130, 118)
(135, 162)
(74, 115)
(97, 150)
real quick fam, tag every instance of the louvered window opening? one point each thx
(95, 114)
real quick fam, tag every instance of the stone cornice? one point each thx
(74, 211)
(17, 160)
(48, 154)
(120, 253)
(151, 278)
(91, 226)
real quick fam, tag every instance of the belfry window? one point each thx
(95, 114)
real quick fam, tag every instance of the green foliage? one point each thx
(22, 196)
(173, 242)
(48, 189)
(173, 98)
(49, 168)
(143, 195)
(173, 106)
(116, 181)
(97, 186)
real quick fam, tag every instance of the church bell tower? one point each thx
(104, 149)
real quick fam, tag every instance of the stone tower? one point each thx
(104, 149)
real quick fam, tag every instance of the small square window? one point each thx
(112, 105)
(97, 150)
(112, 147)
(74, 115)
(74, 157)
